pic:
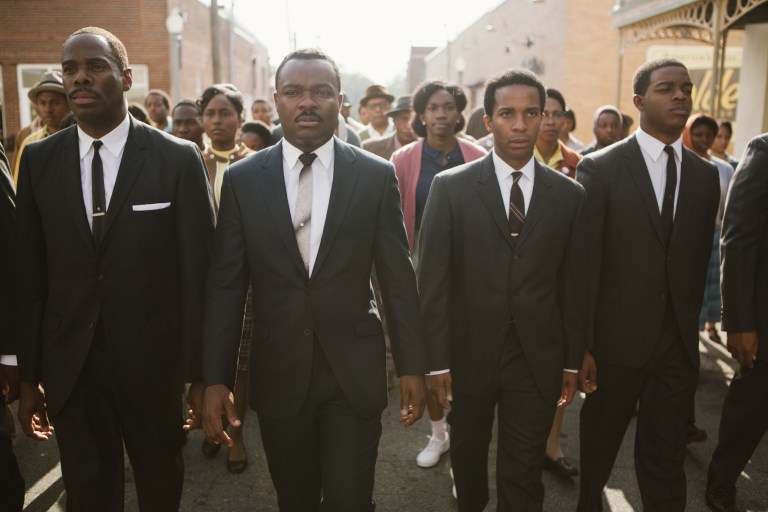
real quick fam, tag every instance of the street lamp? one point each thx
(174, 23)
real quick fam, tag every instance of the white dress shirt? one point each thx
(504, 175)
(322, 179)
(656, 161)
(111, 154)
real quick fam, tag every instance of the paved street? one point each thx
(402, 486)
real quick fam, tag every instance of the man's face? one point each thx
(552, 122)
(515, 123)
(262, 111)
(51, 107)
(94, 83)
(722, 140)
(702, 138)
(156, 108)
(345, 112)
(440, 114)
(308, 102)
(220, 121)
(607, 129)
(378, 108)
(187, 124)
(402, 121)
(666, 105)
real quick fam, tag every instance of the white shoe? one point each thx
(430, 455)
(453, 490)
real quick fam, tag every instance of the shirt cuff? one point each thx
(569, 370)
(9, 360)
(438, 372)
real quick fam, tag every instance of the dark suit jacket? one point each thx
(7, 250)
(255, 234)
(745, 246)
(473, 279)
(383, 147)
(630, 270)
(145, 281)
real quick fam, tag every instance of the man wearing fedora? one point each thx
(377, 101)
(51, 106)
(402, 135)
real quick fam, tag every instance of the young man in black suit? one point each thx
(499, 281)
(114, 223)
(651, 208)
(307, 219)
(745, 318)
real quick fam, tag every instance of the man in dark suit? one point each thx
(307, 219)
(11, 481)
(114, 223)
(651, 209)
(745, 318)
(499, 283)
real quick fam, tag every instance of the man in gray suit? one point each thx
(306, 220)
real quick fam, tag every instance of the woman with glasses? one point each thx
(549, 149)
(437, 120)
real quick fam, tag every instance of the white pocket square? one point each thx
(150, 206)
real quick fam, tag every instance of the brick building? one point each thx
(575, 46)
(34, 30)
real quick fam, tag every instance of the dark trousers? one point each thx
(525, 418)
(327, 451)
(92, 427)
(665, 388)
(742, 425)
(11, 482)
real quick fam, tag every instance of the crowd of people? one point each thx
(294, 262)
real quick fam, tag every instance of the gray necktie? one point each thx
(302, 218)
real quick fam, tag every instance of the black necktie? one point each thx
(97, 189)
(516, 206)
(668, 203)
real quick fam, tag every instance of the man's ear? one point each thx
(127, 79)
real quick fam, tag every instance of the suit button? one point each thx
(100, 277)
(92, 325)
(307, 332)
(663, 295)
(516, 257)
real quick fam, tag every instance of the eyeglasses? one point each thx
(556, 115)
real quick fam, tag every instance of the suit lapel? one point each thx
(73, 189)
(490, 195)
(276, 198)
(131, 166)
(342, 188)
(542, 192)
(686, 193)
(636, 165)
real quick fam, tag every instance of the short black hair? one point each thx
(138, 111)
(229, 91)
(513, 76)
(261, 100)
(570, 115)
(708, 121)
(309, 54)
(259, 128)
(187, 103)
(725, 123)
(556, 95)
(642, 78)
(163, 95)
(115, 45)
(421, 97)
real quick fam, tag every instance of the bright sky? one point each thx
(372, 38)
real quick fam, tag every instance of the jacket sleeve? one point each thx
(745, 224)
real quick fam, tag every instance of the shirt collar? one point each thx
(324, 153)
(557, 156)
(114, 141)
(503, 169)
(653, 147)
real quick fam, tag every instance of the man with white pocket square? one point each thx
(114, 227)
